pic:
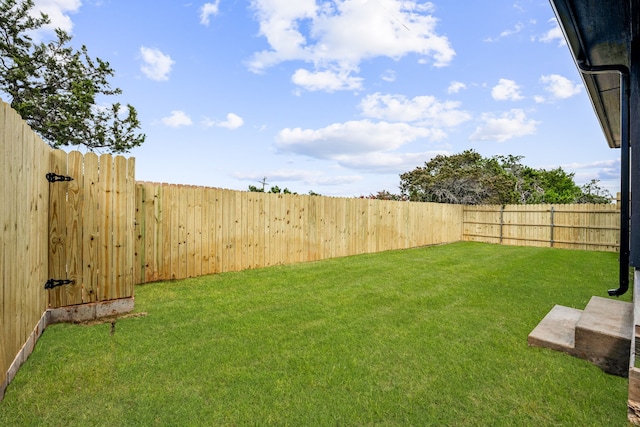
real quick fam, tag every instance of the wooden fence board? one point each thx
(251, 229)
(74, 236)
(148, 227)
(218, 237)
(191, 231)
(105, 220)
(239, 237)
(57, 229)
(197, 219)
(165, 216)
(206, 230)
(120, 229)
(90, 228)
(23, 162)
(260, 237)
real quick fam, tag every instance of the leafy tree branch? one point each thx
(55, 88)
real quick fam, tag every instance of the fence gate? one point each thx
(91, 228)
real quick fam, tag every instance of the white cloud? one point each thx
(58, 12)
(207, 10)
(308, 177)
(389, 76)
(559, 86)
(233, 122)
(501, 128)
(177, 119)
(519, 7)
(337, 36)
(506, 90)
(424, 110)
(279, 175)
(387, 162)
(328, 80)
(506, 33)
(592, 165)
(607, 171)
(374, 145)
(554, 34)
(456, 87)
(351, 138)
(156, 65)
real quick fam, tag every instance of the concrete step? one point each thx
(601, 333)
(557, 330)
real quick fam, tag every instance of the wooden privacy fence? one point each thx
(584, 226)
(24, 191)
(186, 231)
(78, 231)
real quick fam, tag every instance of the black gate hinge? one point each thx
(53, 177)
(52, 283)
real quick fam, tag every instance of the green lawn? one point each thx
(429, 336)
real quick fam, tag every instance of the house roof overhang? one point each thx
(598, 34)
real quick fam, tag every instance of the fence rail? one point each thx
(587, 226)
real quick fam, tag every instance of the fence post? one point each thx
(552, 224)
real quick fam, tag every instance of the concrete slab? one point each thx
(557, 330)
(91, 311)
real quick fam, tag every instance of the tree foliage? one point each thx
(465, 178)
(383, 195)
(468, 178)
(274, 190)
(55, 88)
(593, 193)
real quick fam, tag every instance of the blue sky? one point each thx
(340, 97)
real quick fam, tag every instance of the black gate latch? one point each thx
(53, 177)
(52, 283)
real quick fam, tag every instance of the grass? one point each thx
(429, 336)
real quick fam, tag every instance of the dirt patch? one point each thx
(111, 319)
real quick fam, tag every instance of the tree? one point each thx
(526, 181)
(469, 178)
(274, 190)
(465, 178)
(558, 186)
(593, 193)
(254, 189)
(383, 195)
(55, 88)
